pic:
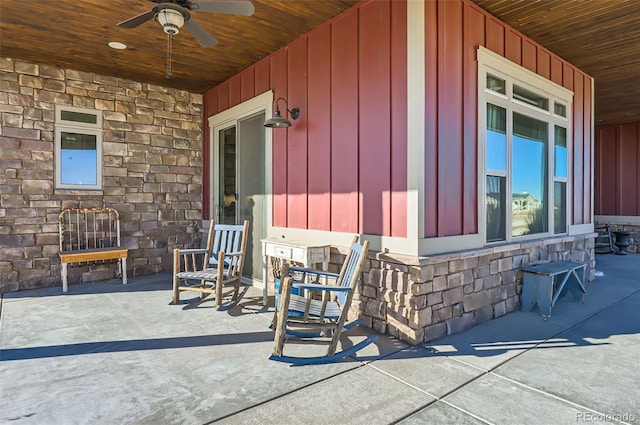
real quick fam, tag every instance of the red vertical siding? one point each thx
(247, 84)
(297, 136)
(450, 181)
(617, 161)
(544, 64)
(235, 84)
(431, 118)
(607, 182)
(223, 96)
(556, 70)
(263, 76)
(513, 49)
(495, 35)
(344, 124)
(587, 211)
(374, 90)
(628, 169)
(319, 136)
(398, 119)
(578, 149)
(529, 56)
(474, 30)
(450, 155)
(278, 72)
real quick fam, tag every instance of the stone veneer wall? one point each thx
(152, 171)
(634, 228)
(419, 299)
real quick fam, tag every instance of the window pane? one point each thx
(559, 207)
(227, 176)
(79, 117)
(496, 84)
(496, 208)
(79, 159)
(530, 97)
(560, 152)
(496, 137)
(560, 109)
(529, 176)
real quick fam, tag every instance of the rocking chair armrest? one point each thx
(192, 251)
(320, 287)
(227, 256)
(314, 272)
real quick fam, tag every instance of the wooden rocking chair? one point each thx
(322, 312)
(207, 270)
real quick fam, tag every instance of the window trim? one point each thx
(81, 128)
(498, 66)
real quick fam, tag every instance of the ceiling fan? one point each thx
(174, 14)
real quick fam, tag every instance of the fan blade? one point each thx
(230, 7)
(137, 20)
(200, 34)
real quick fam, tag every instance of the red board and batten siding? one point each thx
(617, 179)
(343, 165)
(453, 30)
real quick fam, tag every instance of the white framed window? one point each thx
(78, 148)
(524, 136)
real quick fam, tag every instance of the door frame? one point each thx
(228, 118)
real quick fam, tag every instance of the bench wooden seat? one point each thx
(544, 283)
(89, 235)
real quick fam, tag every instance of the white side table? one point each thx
(306, 253)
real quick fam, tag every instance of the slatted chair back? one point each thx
(227, 238)
(226, 244)
(349, 272)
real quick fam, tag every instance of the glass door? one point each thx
(240, 191)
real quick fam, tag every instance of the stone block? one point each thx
(435, 331)
(459, 324)
(26, 68)
(483, 314)
(454, 280)
(491, 281)
(421, 274)
(30, 187)
(434, 298)
(420, 318)
(441, 314)
(505, 264)
(421, 288)
(452, 296)
(499, 309)
(376, 309)
(440, 269)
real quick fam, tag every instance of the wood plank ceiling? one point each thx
(74, 34)
(602, 37)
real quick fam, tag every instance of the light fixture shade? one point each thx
(171, 21)
(277, 121)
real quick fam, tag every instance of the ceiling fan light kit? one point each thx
(171, 20)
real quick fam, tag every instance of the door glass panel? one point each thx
(227, 176)
(251, 189)
(529, 191)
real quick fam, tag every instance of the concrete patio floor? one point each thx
(105, 353)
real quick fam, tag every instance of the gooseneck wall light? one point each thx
(277, 121)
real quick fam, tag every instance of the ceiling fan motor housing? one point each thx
(170, 19)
